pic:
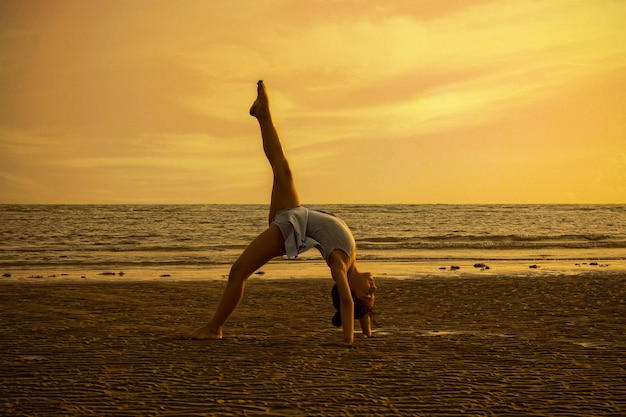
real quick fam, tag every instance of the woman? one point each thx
(294, 229)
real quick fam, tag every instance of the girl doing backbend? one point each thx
(294, 229)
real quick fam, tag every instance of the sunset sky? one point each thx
(412, 101)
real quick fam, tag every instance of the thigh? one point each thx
(284, 193)
(260, 251)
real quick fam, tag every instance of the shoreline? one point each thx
(543, 345)
(310, 269)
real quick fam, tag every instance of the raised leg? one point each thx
(284, 193)
(266, 246)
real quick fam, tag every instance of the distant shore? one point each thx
(541, 344)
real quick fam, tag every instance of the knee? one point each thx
(238, 273)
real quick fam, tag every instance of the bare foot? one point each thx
(204, 333)
(261, 106)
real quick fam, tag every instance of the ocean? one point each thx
(395, 240)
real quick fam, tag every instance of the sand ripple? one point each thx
(545, 346)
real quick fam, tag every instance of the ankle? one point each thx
(265, 120)
(260, 112)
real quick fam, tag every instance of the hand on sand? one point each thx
(350, 346)
(341, 344)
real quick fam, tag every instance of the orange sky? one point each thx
(416, 101)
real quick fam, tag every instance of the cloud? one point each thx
(474, 65)
(157, 93)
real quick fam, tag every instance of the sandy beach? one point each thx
(538, 345)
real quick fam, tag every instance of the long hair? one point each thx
(360, 309)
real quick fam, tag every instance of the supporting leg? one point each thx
(266, 246)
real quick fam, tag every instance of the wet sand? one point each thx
(538, 345)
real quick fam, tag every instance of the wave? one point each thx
(216, 234)
(509, 241)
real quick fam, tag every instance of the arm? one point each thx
(366, 325)
(339, 273)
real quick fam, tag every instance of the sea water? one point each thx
(399, 240)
